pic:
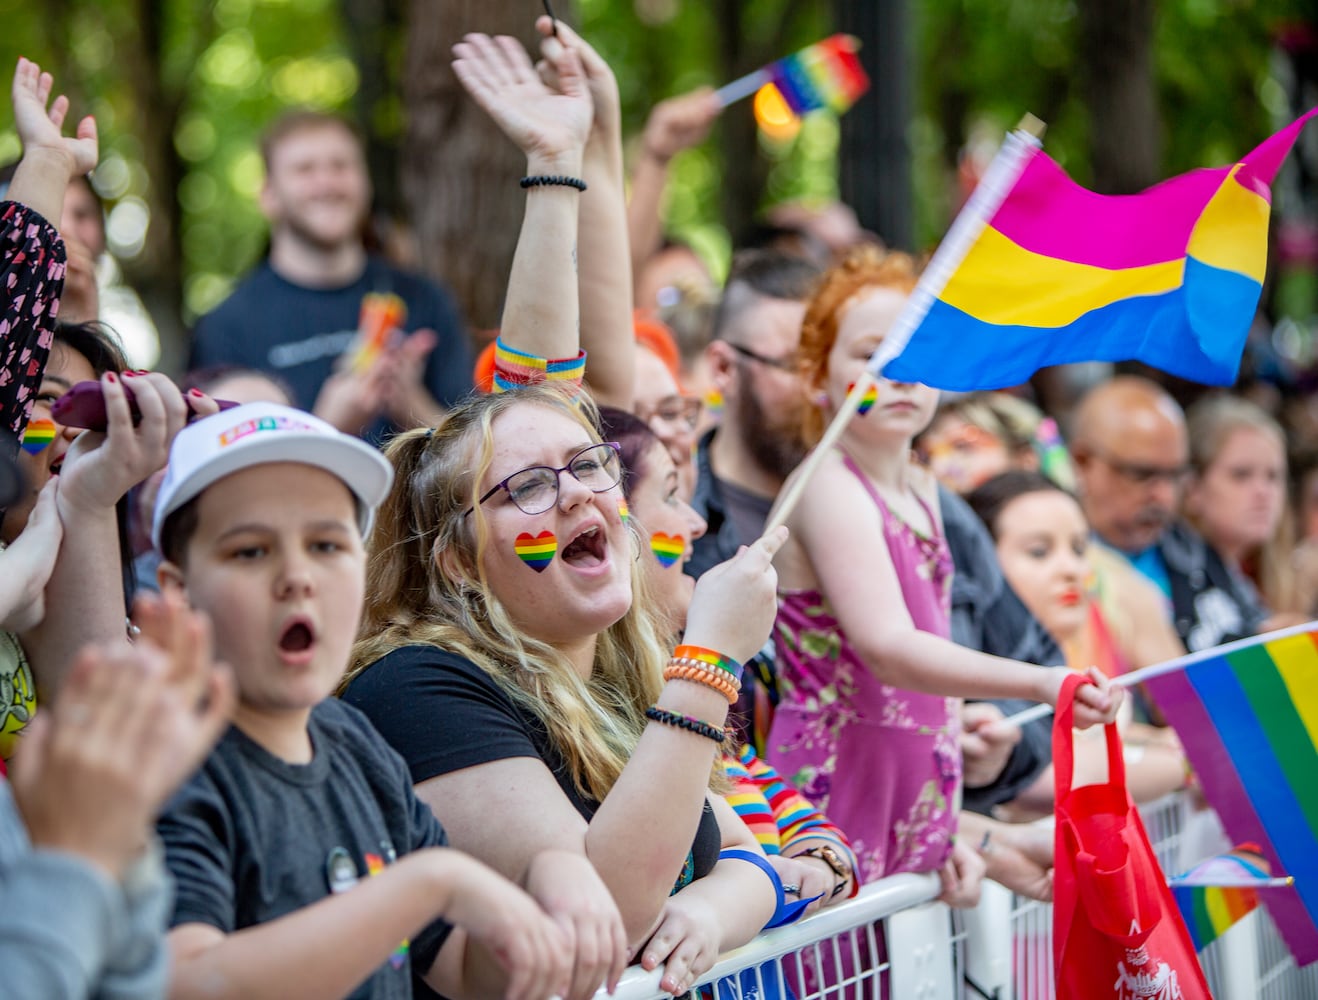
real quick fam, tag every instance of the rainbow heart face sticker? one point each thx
(537, 551)
(38, 436)
(868, 400)
(623, 511)
(667, 548)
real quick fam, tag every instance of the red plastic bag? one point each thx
(1117, 933)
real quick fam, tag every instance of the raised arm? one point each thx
(541, 316)
(32, 256)
(674, 125)
(604, 277)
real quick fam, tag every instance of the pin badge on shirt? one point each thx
(340, 870)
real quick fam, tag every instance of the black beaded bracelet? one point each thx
(553, 180)
(686, 722)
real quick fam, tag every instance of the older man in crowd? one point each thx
(1131, 455)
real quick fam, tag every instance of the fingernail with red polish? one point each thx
(194, 392)
(110, 377)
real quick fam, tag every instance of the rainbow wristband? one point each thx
(709, 657)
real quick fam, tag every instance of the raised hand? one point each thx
(101, 467)
(680, 123)
(734, 604)
(547, 125)
(93, 770)
(40, 127)
(600, 81)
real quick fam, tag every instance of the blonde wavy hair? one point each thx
(864, 268)
(425, 584)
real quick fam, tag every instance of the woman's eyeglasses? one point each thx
(674, 409)
(535, 490)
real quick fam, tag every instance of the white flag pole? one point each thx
(1171, 666)
(1020, 144)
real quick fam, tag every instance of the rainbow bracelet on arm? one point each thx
(709, 658)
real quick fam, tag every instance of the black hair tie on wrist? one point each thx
(553, 180)
(691, 725)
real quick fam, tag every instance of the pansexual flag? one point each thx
(1247, 715)
(827, 74)
(1209, 909)
(1053, 273)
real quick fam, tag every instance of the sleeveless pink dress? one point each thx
(883, 763)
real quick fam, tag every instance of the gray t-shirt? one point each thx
(251, 837)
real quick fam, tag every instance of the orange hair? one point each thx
(655, 337)
(861, 269)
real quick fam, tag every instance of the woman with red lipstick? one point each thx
(1100, 612)
(867, 723)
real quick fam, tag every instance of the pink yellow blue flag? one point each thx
(1040, 271)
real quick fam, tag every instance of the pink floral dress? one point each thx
(882, 762)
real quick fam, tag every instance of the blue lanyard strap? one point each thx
(783, 912)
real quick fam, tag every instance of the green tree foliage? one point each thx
(224, 69)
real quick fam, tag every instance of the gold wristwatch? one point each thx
(834, 859)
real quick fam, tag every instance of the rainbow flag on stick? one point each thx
(1247, 715)
(827, 74)
(1039, 271)
(1214, 894)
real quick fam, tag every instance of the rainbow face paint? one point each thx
(623, 511)
(667, 548)
(537, 551)
(39, 436)
(868, 400)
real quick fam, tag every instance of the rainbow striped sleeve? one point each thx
(514, 369)
(748, 800)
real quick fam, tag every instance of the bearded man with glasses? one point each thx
(1131, 454)
(742, 463)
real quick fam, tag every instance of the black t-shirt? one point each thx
(443, 713)
(298, 333)
(251, 837)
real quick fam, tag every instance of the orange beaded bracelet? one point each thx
(717, 680)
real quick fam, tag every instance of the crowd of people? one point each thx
(353, 664)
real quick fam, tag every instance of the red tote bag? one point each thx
(1117, 933)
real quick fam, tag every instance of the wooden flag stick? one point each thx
(1001, 175)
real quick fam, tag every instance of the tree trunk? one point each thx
(459, 172)
(874, 161)
(375, 29)
(1119, 90)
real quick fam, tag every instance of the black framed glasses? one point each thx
(535, 490)
(787, 364)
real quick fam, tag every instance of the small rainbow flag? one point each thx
(1210, 909)
(1247, 715)
(827, 74)
(38, 436)
(1039, 271)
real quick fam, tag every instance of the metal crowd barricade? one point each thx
(893, 942)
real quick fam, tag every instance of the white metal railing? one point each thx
(893, 942)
